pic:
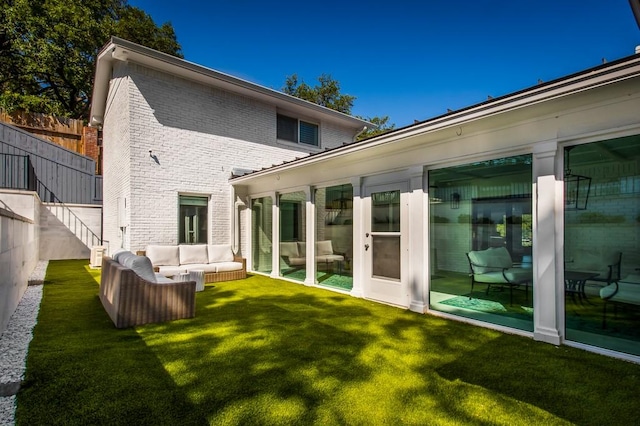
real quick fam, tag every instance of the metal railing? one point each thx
(65, 215)
(17, 172)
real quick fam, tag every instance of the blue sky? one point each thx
(410, 60)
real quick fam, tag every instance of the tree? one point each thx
(382, 126)
(48, 50)
(327, 94)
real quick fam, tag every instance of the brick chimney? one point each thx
(92, 146)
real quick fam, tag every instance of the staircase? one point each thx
(17, 172)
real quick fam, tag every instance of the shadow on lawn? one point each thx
(81, 370)
(580, 387)
(272, 358)
(286, 353)
(262, 351)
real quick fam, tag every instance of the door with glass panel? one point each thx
(385, 242)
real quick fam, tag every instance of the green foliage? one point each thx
(265, 352)
(327, 93)
(382, 126)
(596, 217)
(464, 218)
(48, 50)
(440, 219)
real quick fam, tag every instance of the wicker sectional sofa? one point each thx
(216, 260)
(132, 294)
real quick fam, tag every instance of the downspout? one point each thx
(355, 137)
(235, 221)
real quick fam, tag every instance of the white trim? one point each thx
(587, 80)
(122, 50)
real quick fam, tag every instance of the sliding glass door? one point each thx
(480, 226)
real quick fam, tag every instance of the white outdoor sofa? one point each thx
(295, 253)
(216, 260)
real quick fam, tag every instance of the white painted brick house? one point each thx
(174, 129)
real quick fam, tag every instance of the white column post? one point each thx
(417, 262)
(547, 192)
(275, 235)
(310, 236)
(357, 263)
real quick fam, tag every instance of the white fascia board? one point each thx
(101, 86)
(619, 71)
(124, 50)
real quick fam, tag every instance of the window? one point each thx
(292, 235)
(192, 220)
(601, 245)
(485, 208)
(261, 235)
(334, 230)
(297, 131)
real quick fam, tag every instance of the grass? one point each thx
(268, 352)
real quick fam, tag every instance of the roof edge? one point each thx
(583, 80)
(124, 50)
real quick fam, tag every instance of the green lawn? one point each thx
(268, 352)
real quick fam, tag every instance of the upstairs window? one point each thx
(297, 131)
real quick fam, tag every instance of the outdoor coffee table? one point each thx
(197, 275)
(574, 282)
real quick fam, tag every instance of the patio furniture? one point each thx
(132, 294)
(197, 275)
(294, 254)
(494, 267)
(623, 292)
(604, 265)
(216, 260)
(574, 282)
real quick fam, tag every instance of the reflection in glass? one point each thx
(385, 260)
(292, 235)
(261, 234)
(482, 207)
(334, 236)
(385, 214)
(601, 246)
(192, 220)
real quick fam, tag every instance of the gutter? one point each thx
(355, 137)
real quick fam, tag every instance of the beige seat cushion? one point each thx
(329, 258)
(207, 267)
(228, 266)
(170, 270)
(163, 255)
(196, 253)
(490, 260)
(219, 253)
(324, 248)
(289, 249)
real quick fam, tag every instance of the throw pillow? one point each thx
(219, 253)
(196, 253)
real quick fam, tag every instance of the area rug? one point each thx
(343, 282)
(481, 305)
